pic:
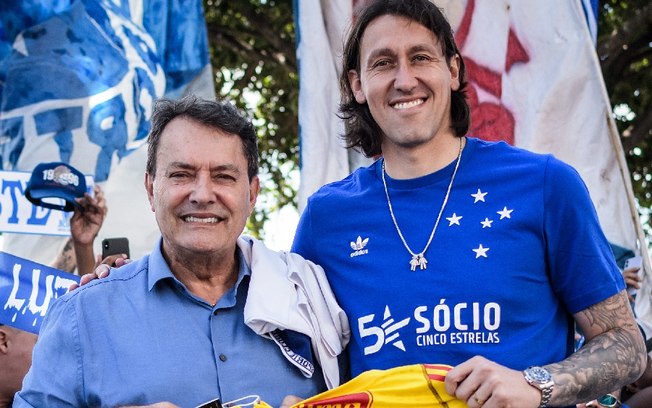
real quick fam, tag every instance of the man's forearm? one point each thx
(84, 258)
(608, 361)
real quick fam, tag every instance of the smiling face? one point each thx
(201, 194)
(406, 82)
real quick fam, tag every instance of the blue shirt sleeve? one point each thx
(55, 377)
(581, 264)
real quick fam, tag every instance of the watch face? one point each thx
(538, 374)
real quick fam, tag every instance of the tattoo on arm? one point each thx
(66, 259)
(614, 354)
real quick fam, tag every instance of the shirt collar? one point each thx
(229, 298)
(160, 270)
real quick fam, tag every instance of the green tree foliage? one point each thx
(254, 59)
(625, 52)
(253, 55)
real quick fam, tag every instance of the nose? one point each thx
(405, 79)
(202, 190)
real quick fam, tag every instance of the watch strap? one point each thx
(546, 394)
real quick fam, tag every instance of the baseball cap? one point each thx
(52, 182)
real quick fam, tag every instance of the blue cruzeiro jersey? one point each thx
(518, 250)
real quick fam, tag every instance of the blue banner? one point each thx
(27, 289)
(78, 78)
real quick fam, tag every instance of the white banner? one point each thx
(323, 158)
(19, 215)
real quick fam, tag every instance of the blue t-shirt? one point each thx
(140, 337)
(517, 251)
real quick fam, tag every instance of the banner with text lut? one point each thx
(27, 289)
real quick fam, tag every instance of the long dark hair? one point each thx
(361, 130)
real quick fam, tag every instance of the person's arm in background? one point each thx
(85, 224)
(77, 253)
(65, 261)
(632, 280)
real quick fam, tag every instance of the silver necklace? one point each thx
(419, 259)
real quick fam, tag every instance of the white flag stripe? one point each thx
(323, 157)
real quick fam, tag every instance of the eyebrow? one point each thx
(425, 47)
(221, 167)
(380, 52)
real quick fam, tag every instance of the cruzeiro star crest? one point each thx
(386, 333)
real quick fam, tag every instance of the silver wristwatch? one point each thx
(540, 378)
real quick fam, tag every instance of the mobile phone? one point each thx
(631, 262)
(113, 246)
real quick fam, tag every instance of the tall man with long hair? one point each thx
(450, 249)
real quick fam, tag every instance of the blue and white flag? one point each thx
(590, 8)
(27, 289)
(77, 83)
(77, 89)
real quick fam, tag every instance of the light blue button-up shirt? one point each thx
(140, 337)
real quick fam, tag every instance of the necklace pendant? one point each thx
(418, 260)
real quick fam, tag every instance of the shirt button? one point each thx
(222, 357)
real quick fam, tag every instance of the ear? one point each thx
(455, 72)
(4, 340)
(254, 189)
(149, 187)
(356, 86)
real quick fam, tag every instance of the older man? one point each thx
(169, 327)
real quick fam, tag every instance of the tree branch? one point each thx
(639, 131)
(615, 47)
(259, 27)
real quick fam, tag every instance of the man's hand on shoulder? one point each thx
(102, 270)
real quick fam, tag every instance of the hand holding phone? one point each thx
(633, 262)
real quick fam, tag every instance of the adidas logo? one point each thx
(358, 247)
